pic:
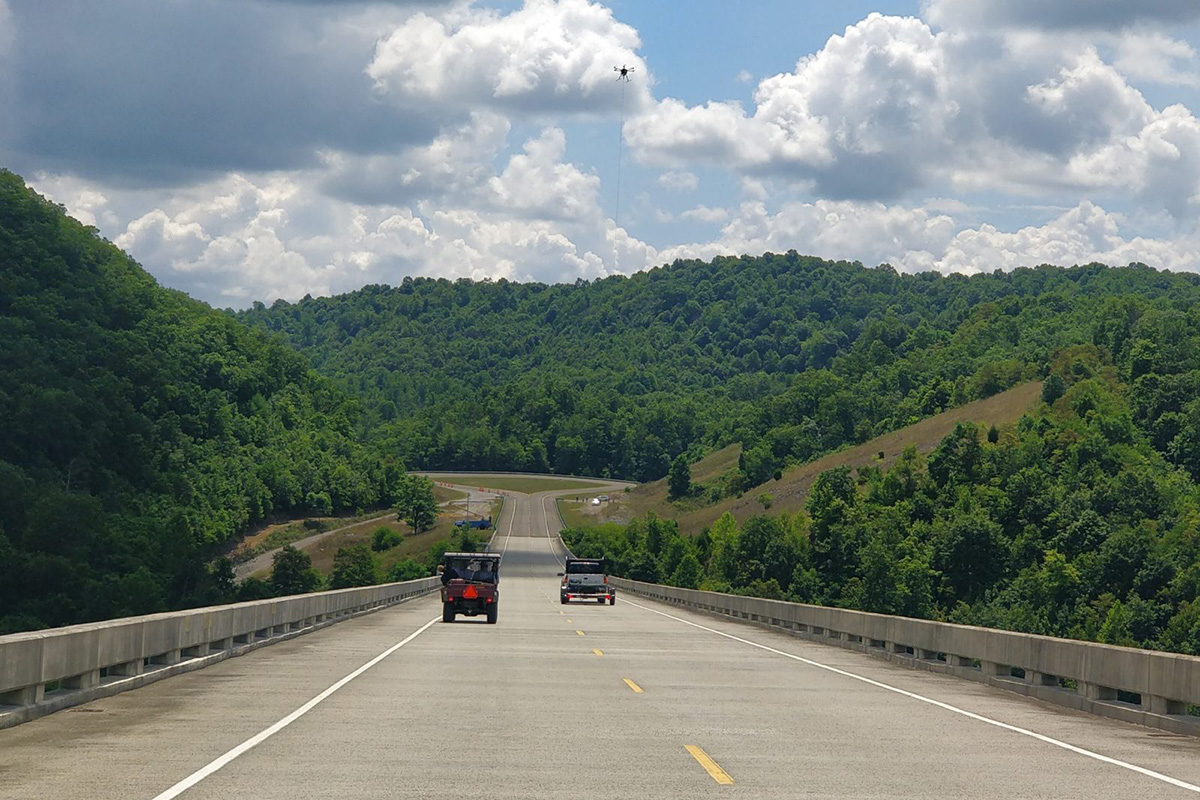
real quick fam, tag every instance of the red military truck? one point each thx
(470, 585)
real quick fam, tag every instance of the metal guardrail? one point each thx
(1146, 687)
(48, 670)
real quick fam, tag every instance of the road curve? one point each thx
(636, 700)
(245, 569)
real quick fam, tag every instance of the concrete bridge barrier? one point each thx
(1156, 689)
(44, 671)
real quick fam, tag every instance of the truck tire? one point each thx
(612, 601)
(562, 599)
(492, 611)
(447, 612)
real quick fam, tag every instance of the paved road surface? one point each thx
(529, 708)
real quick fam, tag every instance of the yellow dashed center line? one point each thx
(711, 767)
(636, 689)
(579, 632)
(568, 620)
(598, 652)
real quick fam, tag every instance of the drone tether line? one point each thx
(620, 154)
(622, 78)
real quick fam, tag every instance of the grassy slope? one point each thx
(791, 491)
(648, 496)
(414, 545)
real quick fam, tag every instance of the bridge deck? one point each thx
(495, 711)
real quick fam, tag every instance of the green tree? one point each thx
(971, 552)
(417, 505)
(222, 581)
(384, 538)
(352, 566)
(687, 573)
(292, 572)
(1053, 388)
(1117, 628)
(254, 589)
(642, 566)
(465, 541)
(407, 569)
(679, 479)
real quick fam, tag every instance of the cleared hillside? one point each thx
(790, 492)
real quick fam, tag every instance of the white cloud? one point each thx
(1157, 58)
(1058, 14)
(1161, 162)
(865, 115)
(744, 77)
(678, 180)
(890, 108)
(247, 237)
(547, 57)
(916, 239)
(378, 145)
(753, 189)
(454, 165)
(1082, 235)
(705, 214)
(537, 184)
(871, 232)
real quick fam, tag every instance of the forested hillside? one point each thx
(141, 427)
(1081, 520)
(791, 356)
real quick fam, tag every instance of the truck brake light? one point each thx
(606, 579)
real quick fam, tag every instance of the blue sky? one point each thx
(247, 150)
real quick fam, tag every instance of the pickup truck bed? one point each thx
(584, 579)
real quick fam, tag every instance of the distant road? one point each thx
(635, 701)
(260, 562)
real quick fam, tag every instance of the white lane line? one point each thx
(261, 737)
(546, 524)
(955, 709)
(508, 536)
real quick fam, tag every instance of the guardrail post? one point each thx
(85, 680)
(25, 696)
(993, 669)
(195, 651)
(1094, 691)
(128, 669)
(167, 659)
(1040, 678)
(1163, 705)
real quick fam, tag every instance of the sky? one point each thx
(250, 150)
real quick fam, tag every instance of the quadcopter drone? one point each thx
(624, 72)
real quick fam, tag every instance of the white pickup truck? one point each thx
(584, 579)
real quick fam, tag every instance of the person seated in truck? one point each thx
(485, 574)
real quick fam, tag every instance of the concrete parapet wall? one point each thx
(44, 671)
(1147, 687)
